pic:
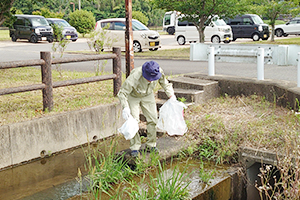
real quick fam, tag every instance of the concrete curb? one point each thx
(28, 140)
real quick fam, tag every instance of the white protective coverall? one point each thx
(137, 92)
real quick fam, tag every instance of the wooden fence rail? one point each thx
(47, 85)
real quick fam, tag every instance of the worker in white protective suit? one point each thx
(137, 92)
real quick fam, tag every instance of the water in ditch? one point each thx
(56, 177)
(190, 169)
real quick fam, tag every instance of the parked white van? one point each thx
(143, 38)
(217, 31)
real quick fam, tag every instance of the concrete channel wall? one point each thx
(284, 93)
(28, 140)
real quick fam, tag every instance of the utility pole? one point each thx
(129, 38)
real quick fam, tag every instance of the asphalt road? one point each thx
(23, 50)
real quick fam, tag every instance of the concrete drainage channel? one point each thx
(48, 178)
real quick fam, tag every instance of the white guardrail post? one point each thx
(211, 61)
(260, 63)
(298, 70)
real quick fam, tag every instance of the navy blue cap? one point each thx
(151, 70)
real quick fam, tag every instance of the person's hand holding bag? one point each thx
(173, 98)
(126, 113)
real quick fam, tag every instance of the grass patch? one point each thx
(28, 105)
(180, 53)
(277, 22)
(226, 123)
(4, 35)
(286, 41)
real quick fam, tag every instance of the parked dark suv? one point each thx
(249, 26)
(31, 27)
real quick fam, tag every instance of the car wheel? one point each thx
(13, 38)
(50, 39)
(279, 32)
(73, 40)
(255, 37)
(33, 39)
(215, 39)
(154, 49)
(285, 35)
(171, 31)
(137, 47)
(181, 40)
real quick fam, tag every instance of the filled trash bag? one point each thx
(171, 118)
(129, 128)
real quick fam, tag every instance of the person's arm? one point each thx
(166, 85)
(124, 92)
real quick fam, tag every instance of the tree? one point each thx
(273, 8)
(201, 12)
(83, 21)
(140, 16)
(48, 14)
(5, 13)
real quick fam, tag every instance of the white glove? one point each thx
(126, 113)
(173, 98)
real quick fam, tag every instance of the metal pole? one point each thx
(211, 61)
(117, 70)
(129, 38)
(298, 71)
(260, 63)
(47, 80)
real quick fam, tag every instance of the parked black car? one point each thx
(31, 27)
(68, 31)
(249, 26)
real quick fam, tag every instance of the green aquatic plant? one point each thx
(172, 185)
(204, 174)
(106, 169)
(167, 184)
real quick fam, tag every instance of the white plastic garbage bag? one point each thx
(129, 128)
(171, 118)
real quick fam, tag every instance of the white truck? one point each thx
(169, 21)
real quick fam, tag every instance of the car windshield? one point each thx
(257, 20)
(220, 22)
(138, 26)
(39, 22)
(62, 23)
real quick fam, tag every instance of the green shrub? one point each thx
(140, 16)
(83, 21)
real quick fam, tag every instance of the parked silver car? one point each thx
(143, 38)
(290, 28)
(69, 32)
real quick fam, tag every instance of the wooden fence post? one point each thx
(47, 80)
(117, 70)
